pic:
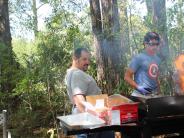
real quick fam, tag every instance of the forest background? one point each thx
(34, 56)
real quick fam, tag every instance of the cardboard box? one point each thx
(100, 102)
(127, 108)
(117, 99)
(96, 100)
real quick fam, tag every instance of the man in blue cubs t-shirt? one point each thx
(142, 73)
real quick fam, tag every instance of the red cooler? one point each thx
(128, 112)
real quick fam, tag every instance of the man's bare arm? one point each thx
(129, 78)
(78, 102)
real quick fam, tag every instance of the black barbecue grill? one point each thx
(157, 116)
(161, 115)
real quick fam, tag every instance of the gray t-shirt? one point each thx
(79, 82)
(146, 70)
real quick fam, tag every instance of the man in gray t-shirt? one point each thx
(142, 73)
(80, 84)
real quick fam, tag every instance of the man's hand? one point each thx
(143, 90)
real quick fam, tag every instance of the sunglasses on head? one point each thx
(153, 44)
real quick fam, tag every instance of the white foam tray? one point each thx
(81, 120)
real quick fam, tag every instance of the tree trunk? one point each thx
(180, 24)
(149, 16)
(149, 7)
(5, 36)
(35, 18)
(157, 11)
(160, 22)
(106, 29)
(125, 41)
(6, 57)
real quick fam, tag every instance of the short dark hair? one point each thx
(78, 51)
(151, 35)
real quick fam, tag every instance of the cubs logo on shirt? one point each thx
(153, 70)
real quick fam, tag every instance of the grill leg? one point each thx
(146, 132)
(131, 132)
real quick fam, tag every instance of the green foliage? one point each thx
(40, 93)
(176, 28)
(122, 88)
(41, 90)
(23, 50)
(8, 69)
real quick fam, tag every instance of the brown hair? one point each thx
(78, 51)
(151, 35)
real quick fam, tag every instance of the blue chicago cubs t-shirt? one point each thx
(146, 70)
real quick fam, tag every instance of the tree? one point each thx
(26, 15)
(6, 57)
(35, 18)
(125, 41)
(106, 31)
(176, 27)
(5, 36)
(160, 22)
(157, 21)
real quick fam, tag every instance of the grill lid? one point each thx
(165, 106)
